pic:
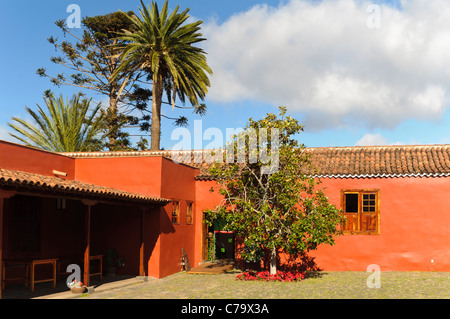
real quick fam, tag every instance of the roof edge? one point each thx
(13, 179)
(167, 153)
(352, 176)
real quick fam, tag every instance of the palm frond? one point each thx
(66, 126)
(163, 44)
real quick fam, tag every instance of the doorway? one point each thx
(224, 241)
(217, 243)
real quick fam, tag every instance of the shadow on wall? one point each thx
(299, 262)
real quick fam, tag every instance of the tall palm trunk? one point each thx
(156, 112)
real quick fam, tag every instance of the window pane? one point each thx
(351, 203)
(175, 212)
(189, 213)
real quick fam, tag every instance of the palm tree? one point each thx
(163, 45)
(66, 128)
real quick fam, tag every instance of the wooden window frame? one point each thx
(175, 212)
(61, 204)
(189, 213)
(360, 214)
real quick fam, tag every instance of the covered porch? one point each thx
(47, 223)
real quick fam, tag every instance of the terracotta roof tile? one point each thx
(355, 161)
(35, 182)
(418, 160)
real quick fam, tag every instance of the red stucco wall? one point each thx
(132, 174)
(414, 225)
(26, 159)
(177, 183)
(153, 176)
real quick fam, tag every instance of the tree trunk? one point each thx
(273, 261)
(112, 121)
(156, 112)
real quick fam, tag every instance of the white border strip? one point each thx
(382, 175)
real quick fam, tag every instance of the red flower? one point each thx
(266, 276)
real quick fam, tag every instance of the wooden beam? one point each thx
(83, 199)
(87, 247)
(87, 227)
(89, 202)
(3, 195)
(1, 245)
(7, 194)
(141, 248)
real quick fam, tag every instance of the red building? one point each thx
(148, 207)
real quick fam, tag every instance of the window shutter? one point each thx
(369, 216)
(352, 222)
(351, 211)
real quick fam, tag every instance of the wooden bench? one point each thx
(8, 265)
(30, 267)
(99, 258)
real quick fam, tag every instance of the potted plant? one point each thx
(112, 262)
(77, 287)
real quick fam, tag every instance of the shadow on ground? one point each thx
(20, 291)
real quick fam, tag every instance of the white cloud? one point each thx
(375, 139)
(322, 59)
(372, 139)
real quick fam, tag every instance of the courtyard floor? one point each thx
(317, 285)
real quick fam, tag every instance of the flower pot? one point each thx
(78, 290)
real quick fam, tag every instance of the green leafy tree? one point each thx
(67, 126)
(163, 45)
(281, 210)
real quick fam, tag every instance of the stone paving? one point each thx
(332, 285)
(328, 285)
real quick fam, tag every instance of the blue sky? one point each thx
(351, 74)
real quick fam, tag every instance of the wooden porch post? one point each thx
(1, 245)
(3, 195)
(141, 248)
(87, 226)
